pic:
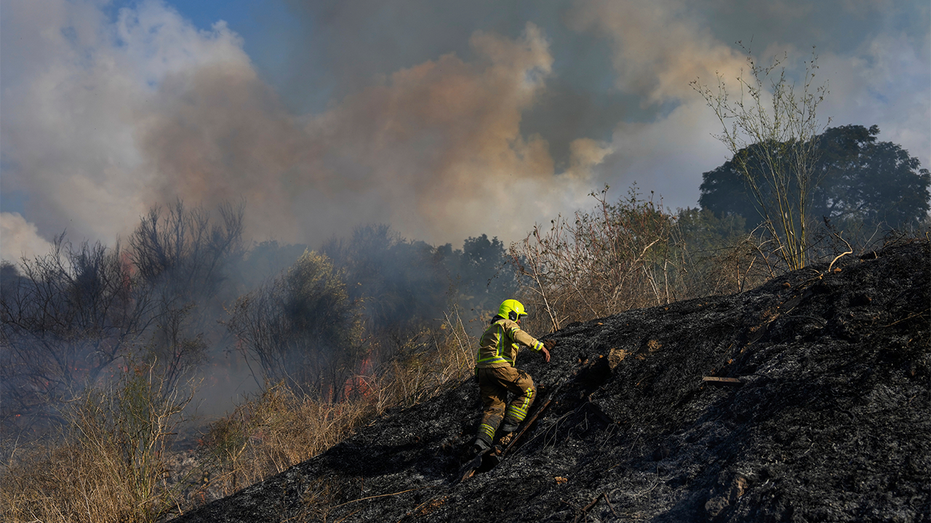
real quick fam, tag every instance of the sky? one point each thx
(444, 119)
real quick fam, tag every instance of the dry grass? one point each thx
(106, 465)
(110, 462)
(272, 432)
(68, 483)
(280, 428)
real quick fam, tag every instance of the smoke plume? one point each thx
(447, 121)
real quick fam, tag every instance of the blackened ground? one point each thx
(830, 420)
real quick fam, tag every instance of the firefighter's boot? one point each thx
(508, 428)
(478, 447)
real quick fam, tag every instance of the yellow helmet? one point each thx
(511, 309)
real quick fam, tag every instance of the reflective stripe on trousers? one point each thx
(494, 385)
(518, 411)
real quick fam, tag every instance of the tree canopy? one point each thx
(860, 179)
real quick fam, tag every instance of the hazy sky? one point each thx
(443, 119)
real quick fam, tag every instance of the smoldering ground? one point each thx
(825, 418)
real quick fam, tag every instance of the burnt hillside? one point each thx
(830, 419)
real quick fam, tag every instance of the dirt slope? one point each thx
(830, 421)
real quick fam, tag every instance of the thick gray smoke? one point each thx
(442, 119)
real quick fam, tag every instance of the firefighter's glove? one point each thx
(546, 354)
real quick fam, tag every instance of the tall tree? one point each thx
(861, 180)
(182, 255)
(876, 183)
(485, 274)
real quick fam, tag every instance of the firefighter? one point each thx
(496, 375)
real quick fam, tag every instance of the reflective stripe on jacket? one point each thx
(501, 341)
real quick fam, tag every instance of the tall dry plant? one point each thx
(772, 129)
(715, 256)
(273, 431)
(427, 364)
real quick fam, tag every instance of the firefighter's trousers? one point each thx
(494, 385)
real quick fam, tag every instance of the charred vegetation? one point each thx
(825, 417)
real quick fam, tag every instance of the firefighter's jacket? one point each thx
(500, 343)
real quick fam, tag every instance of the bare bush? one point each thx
(716, 256)
(72, 314)
(184, 250)
(77, 310)
(632, 254)
(181, 255)
(429, 362)
(609, 260)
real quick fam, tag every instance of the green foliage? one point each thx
(863, 184)
(481, 272)
(876, 183)
(316, 302)
(302, 327)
